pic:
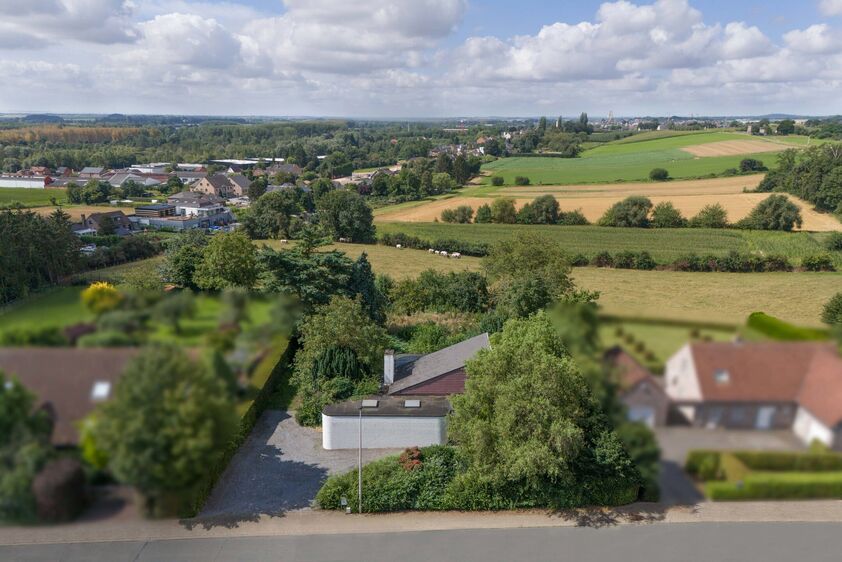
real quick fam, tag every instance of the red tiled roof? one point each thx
(64, 377)
(764, 371)
(630, 371)
(821, 392)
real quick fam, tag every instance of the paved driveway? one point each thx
(280, 467)
(675, 442)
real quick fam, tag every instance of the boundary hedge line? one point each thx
(281, 370)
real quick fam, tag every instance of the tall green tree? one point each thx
(530, 429)
(229, 260)
(362, 284)
(182, 257)
(345, 214)
(168, 422)
(776, 212)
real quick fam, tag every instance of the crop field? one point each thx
(76, 211)
(31, 197)
(688, 196)
(711, 297)
(632, 159)
(665, 245)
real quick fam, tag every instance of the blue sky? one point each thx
(417, 58)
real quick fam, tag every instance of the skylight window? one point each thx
(721, 376)
(411, 403)
(101, 390)
(370, 403)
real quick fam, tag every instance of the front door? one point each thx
(764, 417)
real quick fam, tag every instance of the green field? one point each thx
(31, 197)
(726, 298)
(665, 245)
(630, 159)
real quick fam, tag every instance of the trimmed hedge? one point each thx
(782, 461)
(779, 486)
(282, 370)
(777, 329)
(448, 245)
(703, 464)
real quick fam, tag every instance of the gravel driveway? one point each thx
(279, 468)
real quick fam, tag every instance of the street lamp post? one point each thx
(360, 465)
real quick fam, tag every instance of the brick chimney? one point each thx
(388, 367)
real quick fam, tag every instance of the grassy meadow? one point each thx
(31, 197)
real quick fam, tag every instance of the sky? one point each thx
(421, 58)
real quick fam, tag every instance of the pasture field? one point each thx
(76, 211)
(688, 196)
(632, 158)
(31, 197)
(665, 245)
(729, 298)
(400, 264)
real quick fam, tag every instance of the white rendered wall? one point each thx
(382, 432)
(681, 382)
(807, 428)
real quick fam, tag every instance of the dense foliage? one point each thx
(814, 174)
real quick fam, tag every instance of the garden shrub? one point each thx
(49, 336)
(521, 180)
(497, 181)
(602, 259)
(703, 464)
(659, 174)
(106, 339)
(834, 242)
(820, 262)
(572, 218)
(580, 260)
(624, 260)
(777, 329)
(643, 260)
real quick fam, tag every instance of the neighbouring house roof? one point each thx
(762, 371)
(219, 182)
(427, 407)
(194, 198)
(432, 365)
(630, 371)
(240, 180)
(70, 381)
(91, 170)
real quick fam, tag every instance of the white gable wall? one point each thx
(681, 378)
(808, 428)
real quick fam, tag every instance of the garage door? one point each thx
(644, 414)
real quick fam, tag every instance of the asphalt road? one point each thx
(690, 542)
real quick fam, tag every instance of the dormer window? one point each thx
(721, 376)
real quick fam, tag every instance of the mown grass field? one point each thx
(665, 245)
(630, 159)
(31, 197)
(728, 298)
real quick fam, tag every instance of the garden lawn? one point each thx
(653, 343)
(665, 245)
(62, 307)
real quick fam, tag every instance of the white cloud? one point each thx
(393, 57)
(831, 7)
(815, 39)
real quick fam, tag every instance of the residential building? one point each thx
(222, 186)
(761, 385)
(640, 391)
(120, 178)
(93, 223)
(156, 210)
(412, 407)
(91, 172)
(68, 382)
(185, 211)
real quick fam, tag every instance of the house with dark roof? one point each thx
(94, 223)
(91, 172)
(413, 405)
(761, 385)
(68, 382)
(222, 185)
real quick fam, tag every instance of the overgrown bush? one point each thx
(703, 464)
(819, 262)
(521, 180)
(602, 259)
(49, 336)
(497, 181)
(834, 242)
(659, 174)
